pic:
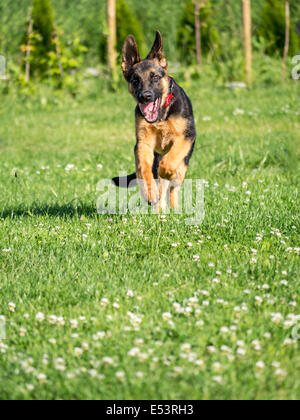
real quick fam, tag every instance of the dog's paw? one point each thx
(153, 197)
(167, 171)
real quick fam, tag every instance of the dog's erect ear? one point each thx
(130, 55)
(157, 51)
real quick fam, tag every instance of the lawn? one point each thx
(147, 307)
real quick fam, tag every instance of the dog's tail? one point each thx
(128, 181)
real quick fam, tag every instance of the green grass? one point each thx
(52, 268)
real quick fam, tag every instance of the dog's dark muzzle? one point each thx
(146, 97)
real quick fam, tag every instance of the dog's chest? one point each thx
(165, 136)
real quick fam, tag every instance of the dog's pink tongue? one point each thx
(147, 109)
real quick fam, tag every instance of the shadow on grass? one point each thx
(68, 210)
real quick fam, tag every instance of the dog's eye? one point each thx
(135, 82)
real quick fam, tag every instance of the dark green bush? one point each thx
(186, 34)
(42, 15)
(272, 28)
(42, 36)
(127, 23)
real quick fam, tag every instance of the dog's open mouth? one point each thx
(151, 110)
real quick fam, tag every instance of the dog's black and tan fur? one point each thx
(166, 136)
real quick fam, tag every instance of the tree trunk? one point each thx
(58, 55)
(247, 39)
(112, 36)
(28, 51)
(198, 33)
(287, 39)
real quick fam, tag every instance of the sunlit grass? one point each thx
(145, 307)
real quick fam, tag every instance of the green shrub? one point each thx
(43, 26)
(272, 28)
(186, 34)
(127, 23)
(40, 38)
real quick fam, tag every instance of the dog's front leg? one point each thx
(144, 156)
(171, 162)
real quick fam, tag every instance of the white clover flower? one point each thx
(99, 336)
(139, 375)
(130, 293)
(260, 365)
(241, 351)
(78, 351)
(281, 374)
(74, 324)
(40, 317)
(178, 308)
(211, 349)
(93, 373)
(288, 342)
(178, 370)
(276, 365)
(224, 330)
(134, 352)
(284, 282)
(60, 321)
(193, 301)
(52, 341)
(85, 346)
(52, 319)
(238, 111)
(42, 378)
(217, 367)
(116, 305)
(104, 302)
(218, 379)
(142, 356)
(23, 332)
(108, 360)
(277, 318)
(69, 167)
(171, 324)
(3, 348)
(226, 349)
(59, 364)
(186, 347)
(135, 319)
(258, 300)
(167, 316)
(200, 323)
(11, 307)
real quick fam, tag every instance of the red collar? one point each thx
(171, 95)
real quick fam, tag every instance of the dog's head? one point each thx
(147, 79)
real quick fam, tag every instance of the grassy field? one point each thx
(147, 307)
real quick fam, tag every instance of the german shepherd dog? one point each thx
(165, 127)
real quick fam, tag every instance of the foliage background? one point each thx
(86, 18)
